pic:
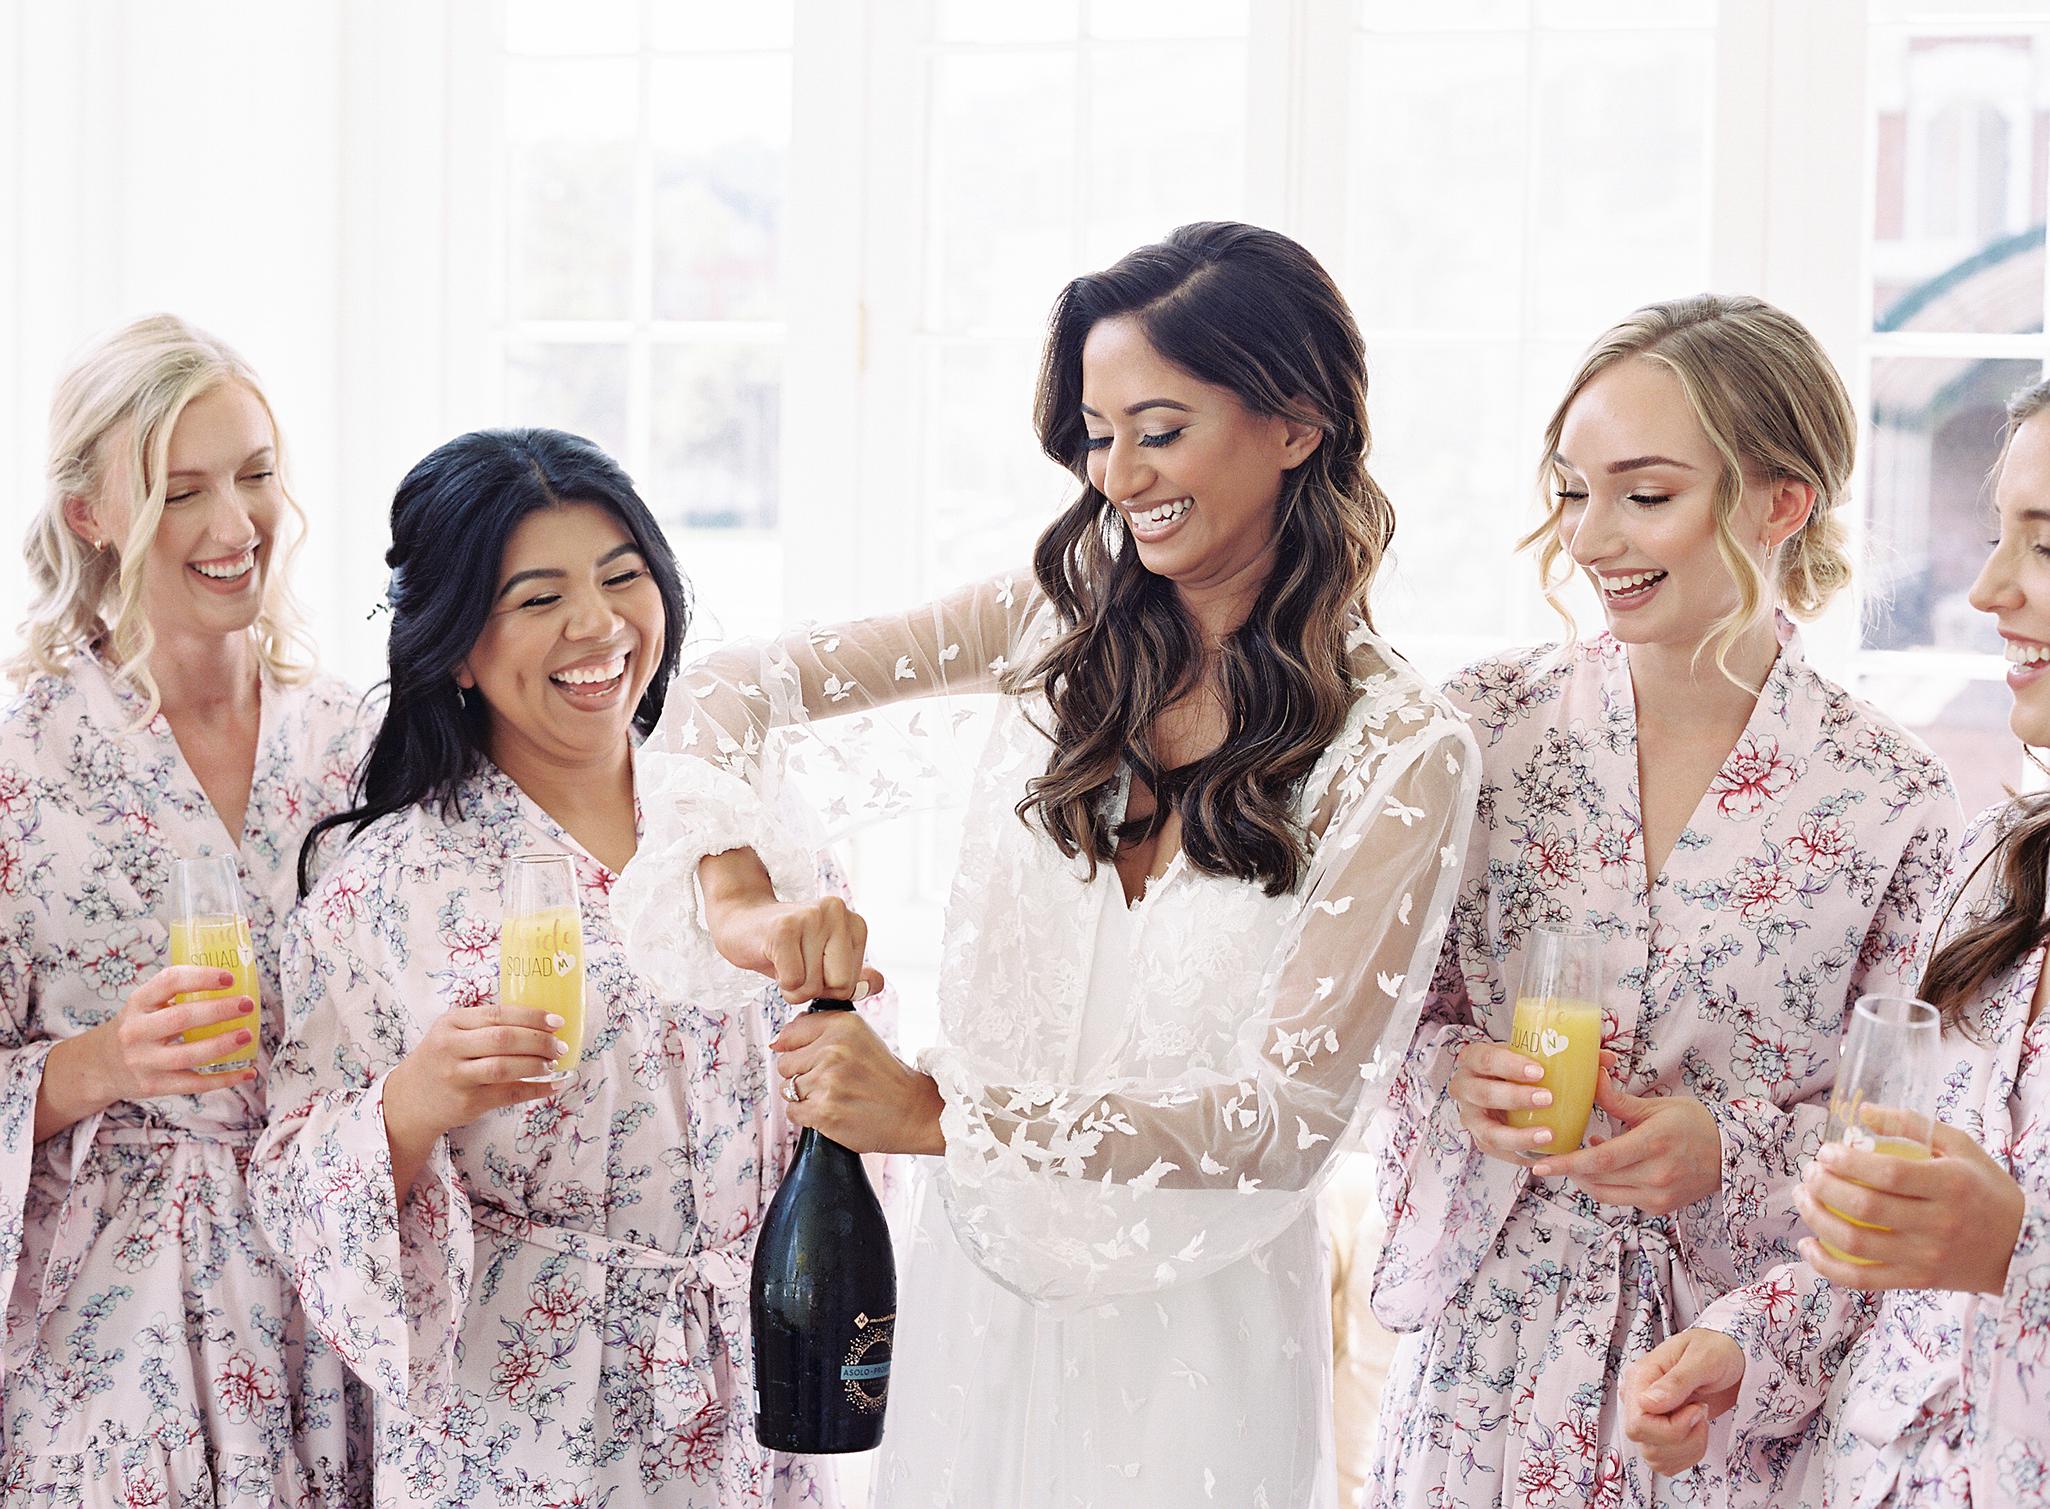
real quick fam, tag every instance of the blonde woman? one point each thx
(154, 1351)
(1753, 849)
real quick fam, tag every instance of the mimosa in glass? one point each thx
(208, 928)
(1887, 1078)
(541, 949)
(1558, 1023)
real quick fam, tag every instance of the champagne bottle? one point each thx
(824, 1303)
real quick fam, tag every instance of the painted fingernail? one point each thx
(1832, 1154)
(1541, 1098)
(244, 1036)
(1541, 1170)
(561, 1048)
(1544, 1135)
(554, 1022)
(223, 980)
(1533, 1071)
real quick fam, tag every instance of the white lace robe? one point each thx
(1115, 1291)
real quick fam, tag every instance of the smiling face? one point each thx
(2014, 585)
(206, 565)
(574, 637)
(1635, 479)
(1195, 473)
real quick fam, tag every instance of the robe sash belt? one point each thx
(679, 1367)
(83, 1215)
(1607, 1295)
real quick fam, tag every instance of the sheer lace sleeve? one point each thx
(1080, 1192)
(717, 774)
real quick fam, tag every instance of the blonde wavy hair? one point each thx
(1774, 408)
(110, 426)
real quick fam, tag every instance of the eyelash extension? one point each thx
(1151, 442)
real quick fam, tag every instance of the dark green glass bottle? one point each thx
(824, 1303)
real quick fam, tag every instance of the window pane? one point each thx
(1470, 15)
(1448, 454)
(1961, 142)
(979, 21)
(1964, 719)
(567, 386)
(1459, 267)
(1145, 19)
(552, 29)
(1622, 190)
(717, 424)
(1002, 187)
(715, 28)
(1145, 180)
(989, 490)
(1625, 14)
(570, 192)
(721, 132)
(1935, 431)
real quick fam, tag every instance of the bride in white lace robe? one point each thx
(1114, 1294)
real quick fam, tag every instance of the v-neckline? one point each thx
(127, 702)
(1649, 884)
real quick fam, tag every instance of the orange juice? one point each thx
(1566, 1037)
(1893, 1147)
(220, 943)
(541, 967)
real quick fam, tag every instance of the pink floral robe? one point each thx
(155, 1352)
(557, 1314)
(1800, 882)
(1916, 1397)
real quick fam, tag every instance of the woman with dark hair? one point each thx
(1207, 864)
(1911, 1370)
(542, 1279)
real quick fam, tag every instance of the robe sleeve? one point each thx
(1444, 1200)
(724, 768)
(2007, 1369)
(385, 1283)
(1749, 1224)
(1797, 1330)
(1159, 1181)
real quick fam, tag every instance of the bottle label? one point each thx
(865, 1370)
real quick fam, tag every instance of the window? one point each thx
(645, 159)
(1959, 152)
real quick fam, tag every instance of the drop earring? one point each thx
(462, 698)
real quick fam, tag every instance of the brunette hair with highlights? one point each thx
(1996, 942)
(1250, 311)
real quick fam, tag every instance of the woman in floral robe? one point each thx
(155, 1353)
(1917, 1375)
(545, 1284)
(1750, 861)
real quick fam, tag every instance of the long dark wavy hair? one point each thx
(450, 520)
(1997, 942)
(1250, 311)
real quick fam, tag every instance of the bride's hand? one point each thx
(842, 1079)
(811, 949)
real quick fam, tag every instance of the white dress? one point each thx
(1114, 1295)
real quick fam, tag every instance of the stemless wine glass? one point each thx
(208, 927)
(1884, 1100)
(541, 950)
(1559, 1023)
